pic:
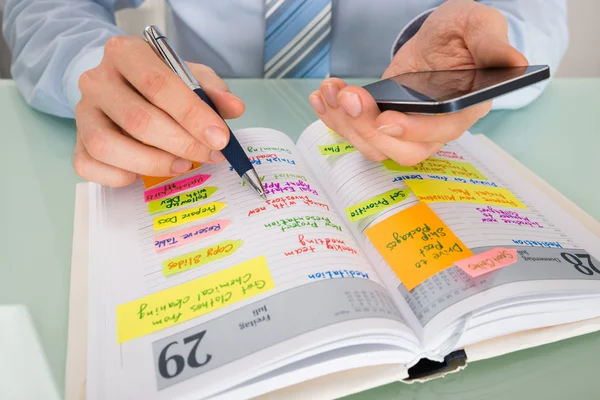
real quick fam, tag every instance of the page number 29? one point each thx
(577, 261)
(166, 363)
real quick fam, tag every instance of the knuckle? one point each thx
(115, 45)
(94, 141)
(191, 116)
(136, 121)
(369, 135)
(86, 81)
(191, 149)
(154, 83)
(80, 165)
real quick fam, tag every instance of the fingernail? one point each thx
(350, 102)
(215, 137)
(216, 157)
(181, 166)
(317, 104)
(330, 91)
(391, 130)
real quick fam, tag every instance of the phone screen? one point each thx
(440, 86)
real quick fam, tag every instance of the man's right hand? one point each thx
(136, 117)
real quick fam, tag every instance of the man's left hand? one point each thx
(460, 34)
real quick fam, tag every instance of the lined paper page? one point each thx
(353, 180)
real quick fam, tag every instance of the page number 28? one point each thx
(178, 361)
(577, 261)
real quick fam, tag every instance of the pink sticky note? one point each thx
(189, 235)
(488, 261)
(175, 187)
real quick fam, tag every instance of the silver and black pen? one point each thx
(233, 152)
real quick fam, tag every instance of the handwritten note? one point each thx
(189, 235)
(151, 181)
(187, 215)
(312, 221)
(175, 187)
(337, 148)
(438, 166)
(278, 203)
(312, 244)
(288, 186)
(201, 257)
(489, 215)
(192, 299)
(180, 200)
(376, 204)
(416, 244)
(488, 261)
(439, 191)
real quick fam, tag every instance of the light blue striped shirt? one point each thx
(54, 41)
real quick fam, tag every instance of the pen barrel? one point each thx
(233, 151)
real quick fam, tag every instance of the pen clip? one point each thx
(165, 52)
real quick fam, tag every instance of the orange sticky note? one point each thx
(151, 181)
(488, 261)
(417, 244)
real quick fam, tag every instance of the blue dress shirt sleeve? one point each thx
(537, 28)
(47, 71)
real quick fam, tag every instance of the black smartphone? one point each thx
(443, 92)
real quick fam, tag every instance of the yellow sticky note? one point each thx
(180, 200)
(187, 215)
(336, 148)
(151, 181)
(417, 244)
(192, 299)
(376, 204)
(201, 257)
(438, 166)
(432, 191)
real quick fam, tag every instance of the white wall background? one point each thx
(581, 60)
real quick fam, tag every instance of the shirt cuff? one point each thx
(83, 62)
(410, 30)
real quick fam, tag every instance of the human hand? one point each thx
(136, 117)
(460, 34)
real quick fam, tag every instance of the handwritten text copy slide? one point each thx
(417, 244)
(431, 191)
(192, 299)
(201, 257)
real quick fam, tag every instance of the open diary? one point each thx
(200, 289)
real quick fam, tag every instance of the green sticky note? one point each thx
(336, 148)
(376, 204)
(201, 257)
(438, 166)
(182, 199)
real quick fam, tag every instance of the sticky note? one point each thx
(175, 187)
(417, 244)
(432, 191)
(151, 181)
(376, 204)
(179, 200)
(201, 257)
(488, 261)
(189, 235)
(438, 166)
(192, 299)
(337, 148)
(187, 215)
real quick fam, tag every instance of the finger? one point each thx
(104, 142)
(95, 171)
(335, 119)
(408, 153)
(329, 90)
(229, 105)
(429, 128)
(151, 77)
(147, 123)
(491, 51)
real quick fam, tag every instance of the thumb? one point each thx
(229, 105)
(489, 51)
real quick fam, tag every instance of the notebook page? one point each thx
(538, 236)
(271, 272)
